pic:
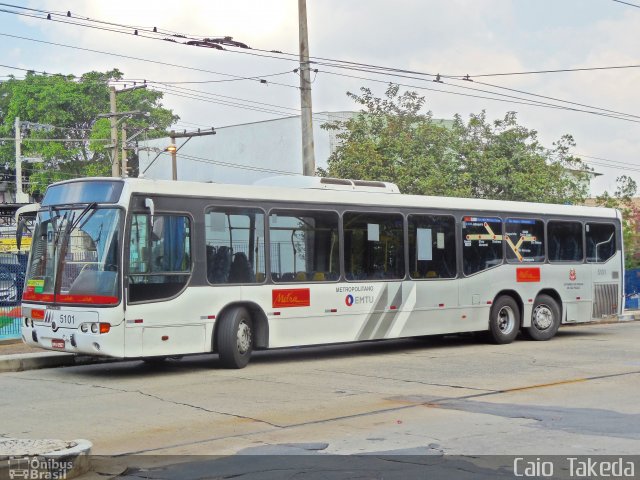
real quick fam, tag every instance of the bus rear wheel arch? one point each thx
(545, 318)
(235, 337)
(504, 320)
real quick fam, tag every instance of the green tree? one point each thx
(392, 140)
(622, 199)
(71, 105)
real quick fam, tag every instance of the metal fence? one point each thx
(632, 289)
(12, 272)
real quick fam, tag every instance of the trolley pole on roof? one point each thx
(308, 155)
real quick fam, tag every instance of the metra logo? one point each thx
(572, 274)
(350, 300)
(292, 297)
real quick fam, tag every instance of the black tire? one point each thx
(545, 319)
(504, 320)
(235, 338)
(154, 360)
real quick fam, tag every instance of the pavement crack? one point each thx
(433, 384)
(203, 409)
(150, 395)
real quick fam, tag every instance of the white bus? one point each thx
(135, 268)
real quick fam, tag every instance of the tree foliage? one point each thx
(622, 199)
(392, 140)
(72, 106)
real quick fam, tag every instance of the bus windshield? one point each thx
(74, 256)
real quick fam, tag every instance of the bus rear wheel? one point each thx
(545, 319)
(235, 338)
(504, 320)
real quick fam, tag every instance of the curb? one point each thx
(28, 458)
(20, 362)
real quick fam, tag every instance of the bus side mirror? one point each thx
(19, 231)
(148, 203)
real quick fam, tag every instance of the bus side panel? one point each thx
(183, 320)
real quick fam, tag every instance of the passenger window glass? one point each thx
(304, 246)
(373, 246)
(601, 242)
(525, 240)
(482, 243)
(432, 246)
(235, 245)
(159, 256)
(564, 241)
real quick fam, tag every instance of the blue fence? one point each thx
(12, 273)
(632, 289)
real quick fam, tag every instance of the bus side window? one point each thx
(304, 246)
(373, 246)
(235, 245)
(601, 242)
(159, 257)
(565, 241)
(481, 243)
(432, 246)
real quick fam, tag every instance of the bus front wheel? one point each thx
(235, 338)
(504, 320)
(545, 319)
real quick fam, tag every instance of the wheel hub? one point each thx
(542, 317)
(506, 320)
(244, 338)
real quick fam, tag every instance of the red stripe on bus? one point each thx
(86, 299)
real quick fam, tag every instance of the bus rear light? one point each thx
(34, 336)
(84, 328)
(105, 327)
(37, 314)
(94, 328)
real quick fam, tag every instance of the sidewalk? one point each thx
(15, 356)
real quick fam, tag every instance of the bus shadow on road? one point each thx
(210, 361)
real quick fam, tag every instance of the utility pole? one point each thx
(114, 133)
(21, 197)
(173, 149)
(174, 155)
(308, 155)
(113, 117)
(123, 166)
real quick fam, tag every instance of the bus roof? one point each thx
(340, 196)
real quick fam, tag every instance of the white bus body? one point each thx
(148, 267)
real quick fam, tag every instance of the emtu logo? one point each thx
(349, 300)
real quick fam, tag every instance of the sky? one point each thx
(452, 38)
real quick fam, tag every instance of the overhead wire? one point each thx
(396, 72)
(131, 57)
(234, 165)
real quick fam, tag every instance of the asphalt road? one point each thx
(578, 394)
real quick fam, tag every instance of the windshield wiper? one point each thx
(92, 207)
